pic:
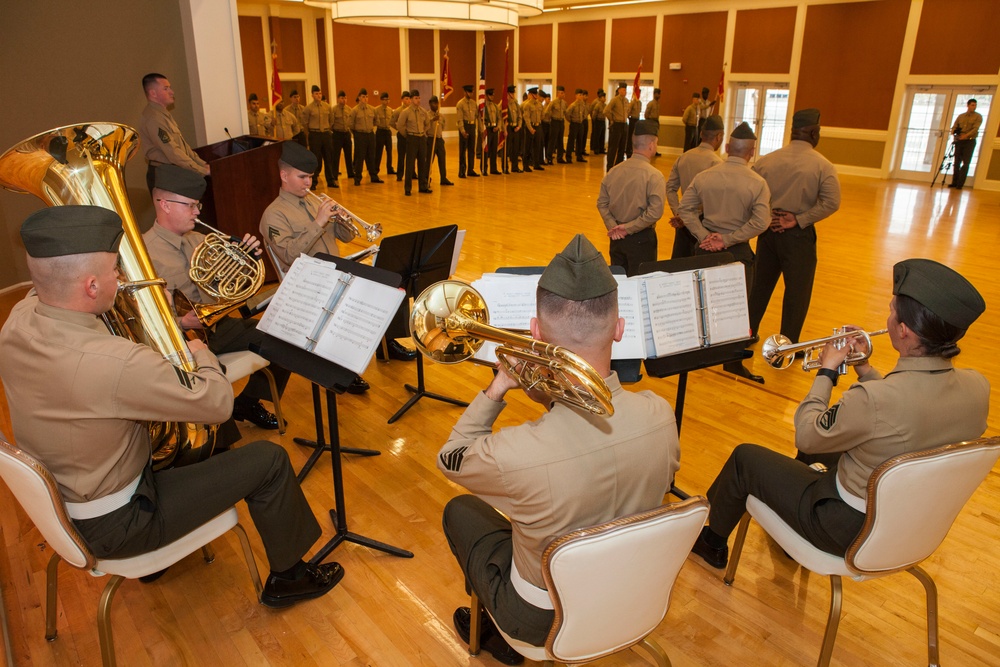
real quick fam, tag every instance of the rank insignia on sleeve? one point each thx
(452, 460)
(183, 377)
(829, 418)
(162, 134)
(273, 232)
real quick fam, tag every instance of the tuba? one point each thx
(82, 164)
(449, 323)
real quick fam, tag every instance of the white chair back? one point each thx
(611, 583)
(913, 500)
(36, 490)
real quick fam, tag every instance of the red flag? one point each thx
(635, 85)
(482, 94)
(275, 79)
(446, 85)
(722, 90)
(503, 102)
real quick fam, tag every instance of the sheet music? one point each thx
(633, 344)
(297, 306)
(357, 324)
(510, 298)
(725, 300)
(673, 312)
(459, 239)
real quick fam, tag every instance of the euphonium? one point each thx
(82, 164)
(780, 352)
(449, 323)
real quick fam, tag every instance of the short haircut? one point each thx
(741, 147)
(937, 337)
(641, 141)
(55, 278)
(711, 135)
(150, 80)
(972, 100)
(590, 322)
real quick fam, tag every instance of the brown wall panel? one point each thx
(632, 40)
(287, 35)
(462, 55)
(957, 37)
(763, 40)
(698, 43)
(254, 63)
(855, 88)
(495, 44)
(366, 57)
(534, 43)
(422, 56)
(581, 57)
(324, 72)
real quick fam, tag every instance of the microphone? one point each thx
(226, 130)
(236, 143)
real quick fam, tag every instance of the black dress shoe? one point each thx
(739, 370)
(473, 174)
(333, 185)
(495, 172)
(515, 170)
(399, 177)
(461, 175)
(425, 191)
(446, 182)
(391, 172)
(358, 386)
(580, 159)
(256, 413)
(407, 193)
(528, 170)
(489, 638)
(316, 581)
(561, 161)
(357, 181)
(376, 179)
(539, 168)
(717, 557)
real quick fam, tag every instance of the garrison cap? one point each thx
(414, 93)
(939, 289)
(714, 123)
(647, 127)
(253, 97)
(578, 273)
(743, 131)
(562, 88)
(341, 93)
(71, 230)
(656, 90)
(315, 89)
(584, 91)
(293, 93)
(405, 95)
(805, 118)
(180, 181)
(696, 95)
(363, 91)
(433, 99)
(579, 91)
(489, 92)
(601, 93)
(384, 96)
(298, 156)
(467, 87)
(511, 88)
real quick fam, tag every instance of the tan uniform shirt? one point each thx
(616, 110)
(434, 124)
(394, 121)
(558, 109)
(171, 256)
(467, 111)
(514, 113)
(597, 109)
(413, 121)
(288, 229)
(632, 194)
(383, 116)
(653, 110)
(801, 181)
(288, 124)
(968, 123)
(340, 117)
(363, 118)
(79, 397)
(635, 109)
(531, 112)
(260, 123)
(565, 470)
(546, 111)
(735, 201)
(318, 117)
(685, 168)
(923, 403)
(163, 142)
(300, 113)
(690, 116)
(491, 113)
(577, 112)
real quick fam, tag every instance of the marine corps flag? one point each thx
(722, 90)
(636, 92)
(446, 85)
(275, 80)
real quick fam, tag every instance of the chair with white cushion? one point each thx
(36, 491)
(244, 363)
(913, 500)
(610, 584)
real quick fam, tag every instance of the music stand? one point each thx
(334, 380)
(421, 259)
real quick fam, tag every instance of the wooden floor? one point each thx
(392, 611)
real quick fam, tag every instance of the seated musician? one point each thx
(171, 242)
(566, 470)
(80, 401)
(925, 402)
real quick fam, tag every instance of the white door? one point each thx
(764, 106)
(927, 142)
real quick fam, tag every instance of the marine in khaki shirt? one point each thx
(287, 125)
(158, 132)
(261, 123)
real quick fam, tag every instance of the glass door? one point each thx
(931, 111)
(764, 106)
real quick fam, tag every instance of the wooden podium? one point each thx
(244, 182)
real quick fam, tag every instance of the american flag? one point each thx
(482, 94)
(447, 87)
(503, 100)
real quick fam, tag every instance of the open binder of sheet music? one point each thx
(331, 313)
(665, 313)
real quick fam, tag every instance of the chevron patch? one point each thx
(273, 232)
(183, 377)
(452, 460)
(829, 418)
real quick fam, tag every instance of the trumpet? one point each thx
(449, 323)
(780, 352)
(350, 221)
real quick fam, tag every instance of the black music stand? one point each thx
(334, 380)
(420, 259)
(684, 362)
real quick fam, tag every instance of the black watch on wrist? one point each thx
(832, 374)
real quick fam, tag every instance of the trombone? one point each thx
(449, 323)
(780, 352)
(350, 221)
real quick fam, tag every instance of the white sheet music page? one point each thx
(673, 312)
(297, 306)
(510, 298)
(357, 324)
(725, 301)
(633, 343)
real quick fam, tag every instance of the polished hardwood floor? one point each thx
(393, 611)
